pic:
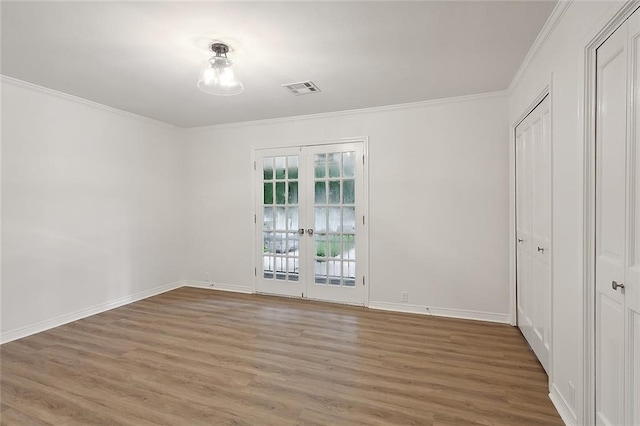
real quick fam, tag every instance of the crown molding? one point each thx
(543, 36)
(386, 108)
(289, 119)
(31, 86)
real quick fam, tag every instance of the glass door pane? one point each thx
(281, 253)
(334, 219)
(309, 221)
(279, 212)
(336, 214)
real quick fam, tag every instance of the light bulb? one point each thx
(217, 78)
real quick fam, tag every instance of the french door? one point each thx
(310, 222)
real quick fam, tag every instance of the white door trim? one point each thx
(588, 117)
(364, 263)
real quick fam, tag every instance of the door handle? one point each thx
(301, 231)
(615, 285)
(310, 231)
(520, 240)
(540, 249)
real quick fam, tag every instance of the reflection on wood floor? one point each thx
(202, 357)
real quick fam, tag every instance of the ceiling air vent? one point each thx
(302, 88)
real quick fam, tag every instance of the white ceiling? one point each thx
(145, 57)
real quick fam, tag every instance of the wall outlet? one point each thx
(404, 296)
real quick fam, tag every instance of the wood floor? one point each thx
(202, 357)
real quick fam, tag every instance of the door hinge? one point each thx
(363, 219)
(254, 165)
(255, 271)
(363, 160)
(255, 218)
(363, 280)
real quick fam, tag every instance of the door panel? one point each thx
(541, 230)
(337, 214)
(611, 60)
(313, 242)
(279, 208)
(634, 367)
(524, 255)
(610, 355)
(533, 224)
(632, 283)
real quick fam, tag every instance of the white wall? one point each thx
(91, 207)
(91, 199)
(560, 62)
(439, 189)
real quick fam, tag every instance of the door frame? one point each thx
(603, 31)
(363, 260)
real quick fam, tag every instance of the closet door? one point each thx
(533, 221)
(611, 59)
(632, 283)
(618, 227)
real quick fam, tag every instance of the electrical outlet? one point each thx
(404, 296)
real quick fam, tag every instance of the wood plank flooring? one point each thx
(202, 357)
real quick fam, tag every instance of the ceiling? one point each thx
(145, 57)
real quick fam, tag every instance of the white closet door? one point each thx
(632, 283)
(533, 195)
(611, 60)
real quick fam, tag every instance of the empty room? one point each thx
(320, 212)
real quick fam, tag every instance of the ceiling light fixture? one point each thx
(217, 78)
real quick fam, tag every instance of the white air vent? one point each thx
(302, 88)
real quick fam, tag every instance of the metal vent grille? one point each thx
(302, 88)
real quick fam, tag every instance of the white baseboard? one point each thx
(441, 312)
(19, 333)
(566, 413)
(41, 326)
(219, 286)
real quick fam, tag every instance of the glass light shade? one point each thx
(217, 78)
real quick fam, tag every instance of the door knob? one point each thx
(540, 249)
(301, 231)
(310, 231)
(615, 285)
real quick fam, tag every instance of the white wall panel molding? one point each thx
(41, 326)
